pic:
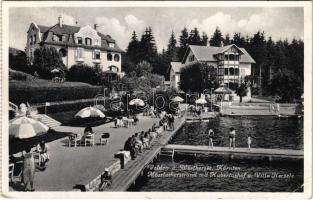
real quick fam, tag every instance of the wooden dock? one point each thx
(253, 152)
(124, 178)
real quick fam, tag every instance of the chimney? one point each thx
(60, 21)
(95, 26)
(222, 43)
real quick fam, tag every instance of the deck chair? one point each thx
(89, 139)
(104, 139)
(11, 171)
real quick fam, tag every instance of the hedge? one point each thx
(23, 92)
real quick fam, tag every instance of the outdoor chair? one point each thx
(89, 139)
(104, 139)
(73, 140)
(11, 171)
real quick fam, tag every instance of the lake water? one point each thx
(221, 173)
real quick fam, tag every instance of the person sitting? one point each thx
(153, 128)
(42, 149)
(146, 140)
(106, 180)
(138, 143)
(133, 149)
(127, 145)
(88, 130)
(135, 119)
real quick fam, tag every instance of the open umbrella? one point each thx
(177, 99)
(137, 102)
(223, 90)
(201, 101)
(90, 112)
(24, 127)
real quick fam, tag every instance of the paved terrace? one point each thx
(69, 166)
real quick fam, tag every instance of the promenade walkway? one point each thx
(123, 179)
(69, 166)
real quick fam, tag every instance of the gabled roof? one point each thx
(207, 53)
(43, 28)
(225, 48)
(65, 29)
(176, 66)
(71, 30)
(106, 37)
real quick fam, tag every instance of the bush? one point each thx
(15, 75)
(21, 92)
(84, 73)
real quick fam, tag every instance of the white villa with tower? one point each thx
(232, 63)
(76, 45)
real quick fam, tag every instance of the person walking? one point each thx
(211, 134)
(28, 170)
(232, 135)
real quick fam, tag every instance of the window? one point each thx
(96, 54)
(221, 72)
(231, 57)
(63, 52)
(113, 68)
(97, 42)
(34, 42)
(116, 58)
(191, 58)
(80, 53)
(63, 38)
(109, 57)
(111, 45)
(231, 71)
(237, 71)
(31, 40)
(226, 71)
(79, 40)
(88, 41)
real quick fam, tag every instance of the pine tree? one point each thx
(133, 48)
(238, 40)
(227, 40)
(204, 40)
(217, 38)
(183, 43)
(171, 48)
(194, 37)
(148, 50)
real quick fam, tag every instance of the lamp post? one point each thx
(127, 102)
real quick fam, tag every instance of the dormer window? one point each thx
(111, 45)
(79, 40)
(88, 41)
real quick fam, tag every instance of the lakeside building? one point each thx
(232, 63)
(76, 45)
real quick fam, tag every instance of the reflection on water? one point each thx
(189, 173)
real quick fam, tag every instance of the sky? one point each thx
(277, 22)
